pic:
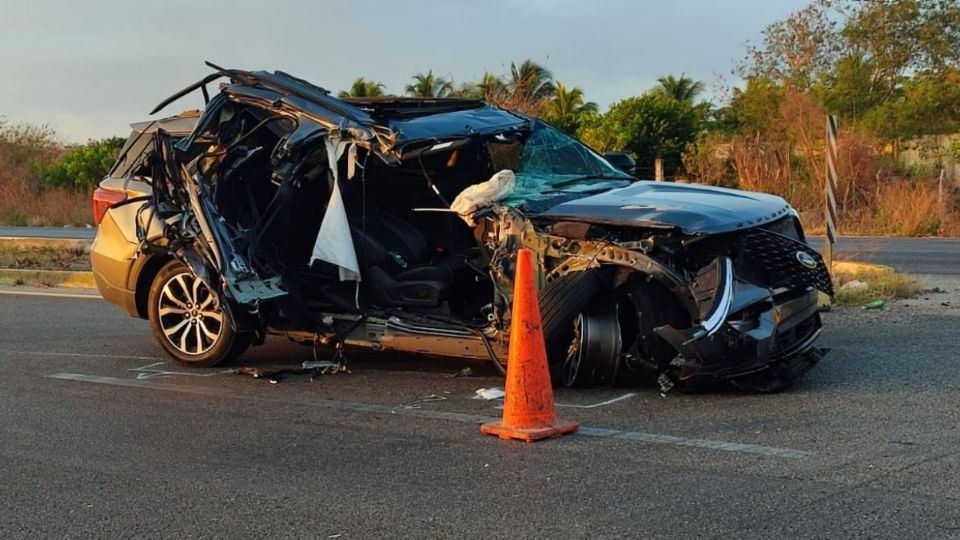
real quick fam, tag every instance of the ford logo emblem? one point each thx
(806, 259)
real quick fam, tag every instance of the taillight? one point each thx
(103, 200)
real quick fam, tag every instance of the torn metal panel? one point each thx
(273, 201)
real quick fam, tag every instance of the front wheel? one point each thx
(188, 320)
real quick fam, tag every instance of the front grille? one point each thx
(773, 260)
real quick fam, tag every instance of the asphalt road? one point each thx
(914, 255)
(102, 437)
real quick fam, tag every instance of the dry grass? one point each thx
(23, 205)
(24, 202)
(908, 209)
(882, 283)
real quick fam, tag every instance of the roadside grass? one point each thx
(44, 258)
(883, 283)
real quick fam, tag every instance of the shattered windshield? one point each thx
(551, 164)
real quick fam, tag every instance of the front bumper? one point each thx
(763, 332)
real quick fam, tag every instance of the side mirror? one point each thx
(621, 161)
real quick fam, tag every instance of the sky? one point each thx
(89, 69)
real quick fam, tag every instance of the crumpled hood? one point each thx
(692, 208)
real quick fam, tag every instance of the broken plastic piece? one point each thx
(489, 394)
(665, 382)
(319, 364)
(854, 286)
(876, 304)
(417, 403)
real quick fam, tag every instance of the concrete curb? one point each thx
(49, 278)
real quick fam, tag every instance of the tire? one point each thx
(194, 337)
(656, 306)
(561, 302)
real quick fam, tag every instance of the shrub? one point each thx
(82, 167)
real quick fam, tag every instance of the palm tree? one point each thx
(467, 90)
(429, 86)
(566, 109)
(681, 89)
(491, 87)
(363, 88)
(568, 101)
(529, 86)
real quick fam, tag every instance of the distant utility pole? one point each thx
(830, 190)
(658, 170)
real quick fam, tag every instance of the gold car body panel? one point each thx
(115, 253)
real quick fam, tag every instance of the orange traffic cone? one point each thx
(529, 413)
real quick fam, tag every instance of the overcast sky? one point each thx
(88, 69)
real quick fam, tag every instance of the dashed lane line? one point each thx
(351, 406)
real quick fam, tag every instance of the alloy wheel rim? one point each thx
(571, 364)
(189, 315)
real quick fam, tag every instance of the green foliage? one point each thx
(530, 82)
(902, 36)
(882, 65)
(679, 88)
(83, 166)
(649, 126)
(363, 88)
(846, 90)
(567, 109)
(756, 108)
(927, 104)
(428, 85)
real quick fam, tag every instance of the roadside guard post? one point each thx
(529, 413)
(830, 190)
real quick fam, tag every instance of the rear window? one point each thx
(133, 156)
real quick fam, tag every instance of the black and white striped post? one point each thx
(830, 190)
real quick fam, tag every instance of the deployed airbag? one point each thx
(498, 187)
(334, 243)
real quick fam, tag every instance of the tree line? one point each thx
(889, 69)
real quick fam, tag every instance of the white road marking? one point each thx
(80, 355)
(601, 404)
(52, 294)
(593, 406)
(351, 406)
(150, 372)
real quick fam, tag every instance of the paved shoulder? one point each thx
(66, 233)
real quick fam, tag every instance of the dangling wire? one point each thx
(430, 181)
(363, 219)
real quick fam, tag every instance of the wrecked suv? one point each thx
(394, 224)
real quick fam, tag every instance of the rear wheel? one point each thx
(188, 320)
